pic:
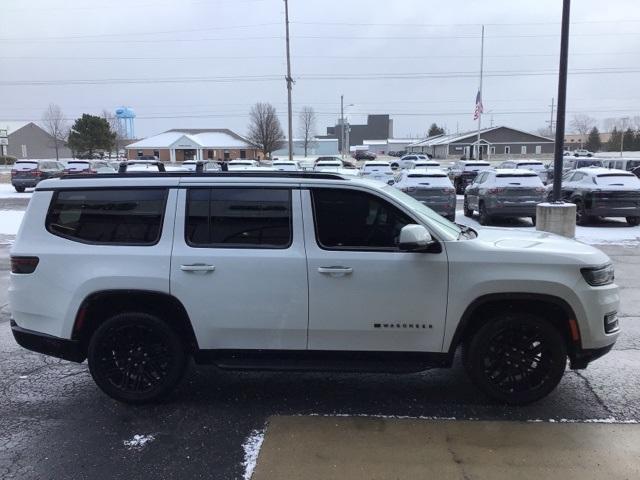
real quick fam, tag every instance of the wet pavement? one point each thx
(55, 423)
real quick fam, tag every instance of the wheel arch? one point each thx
(555, 310)
(99, 306)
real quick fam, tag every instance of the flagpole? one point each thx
(479, 155)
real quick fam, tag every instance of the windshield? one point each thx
(448, 230)
(588, 163)
(618, 180)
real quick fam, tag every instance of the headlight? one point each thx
(598, 276)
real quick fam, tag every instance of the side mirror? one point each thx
(414, 238)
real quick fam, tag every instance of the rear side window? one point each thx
(108, 217)
(239, 218)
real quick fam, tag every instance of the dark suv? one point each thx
(27, 173)
(600, 192)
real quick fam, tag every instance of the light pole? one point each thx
(622, 130)
(347, 130)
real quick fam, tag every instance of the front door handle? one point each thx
(335, 271)
(198, 267)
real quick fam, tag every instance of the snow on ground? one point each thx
(251, 447)
(7, 191)
(612, 231)
(10, 221)
(138, 442)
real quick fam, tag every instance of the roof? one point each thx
(515, 172)
(603, 171)
(456, 137)
(12, 126)
(194, 138)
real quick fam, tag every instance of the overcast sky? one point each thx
(203, 63)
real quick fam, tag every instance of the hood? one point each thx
(518, 240)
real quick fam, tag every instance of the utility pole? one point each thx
(479, 155)
(562, 101)
(551, 119)
(289, 82)
(342, 125)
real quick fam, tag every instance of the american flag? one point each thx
(479, 108)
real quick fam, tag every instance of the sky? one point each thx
(204, 63)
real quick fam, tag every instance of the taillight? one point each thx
(24, 264)
(13, 173)
(37, 173)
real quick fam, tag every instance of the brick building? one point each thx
(182, 144)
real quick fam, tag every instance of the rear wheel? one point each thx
(516, 358)
(19, 189)
(136, 358)
(459, 187)
(533, 220)
(485, 218)
(633, 221)
(468, 212)
(581, 214)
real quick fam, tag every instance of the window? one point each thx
(243, 154)
(113, 216)
(350, 219)
(507, 150)
(210, 154)
(226, 154)
(239, 218)
(140, 153)
(523, 150)
(538, 149)
(156, 153)
(492, 150)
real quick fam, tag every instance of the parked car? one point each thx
(378, 170)
(328, 165)
(364, 155)
(242, 165)
(601, 192)
(408, 161)
(463, 172)
(431, 187)
(581, 152)
(207, 166)
(575, 163)
(504, 193)
(533, 165)
(89, 167)
(621, 163)
(157, 270)
(141, 166)
(636, 172)
(285, 166)
(28, 173)
(424, 165)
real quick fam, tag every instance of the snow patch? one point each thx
(251, 447)
(7, 191)
(611, 420)
(10, 221)
(138, 441)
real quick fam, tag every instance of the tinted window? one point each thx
(239, 218)
(122, 217)
(348, 219)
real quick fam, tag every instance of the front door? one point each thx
(239, 267)
(364, 293)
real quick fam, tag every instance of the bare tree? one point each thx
(307, 127)
(582, 124)
(55, 125)
(116, 126)
(264, 128)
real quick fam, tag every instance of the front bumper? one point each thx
(48, 344)
(581, 358)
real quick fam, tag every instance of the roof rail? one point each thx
(238, 174)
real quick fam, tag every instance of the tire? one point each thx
(516, 358)
(468, 212)
(19, 189)
(485, 218)
(136, 358)
(533, 220)
(633, 221)
(582, 218)
(458, 186)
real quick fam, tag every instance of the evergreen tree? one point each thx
(594, 143)
(636, 141)
(614, 141)
(629, 140)
(90, 133)
(434, 129)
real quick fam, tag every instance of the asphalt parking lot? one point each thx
(55, 423)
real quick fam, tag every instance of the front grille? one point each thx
(611, 322)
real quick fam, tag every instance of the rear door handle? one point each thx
(199, 267)
(335, 271)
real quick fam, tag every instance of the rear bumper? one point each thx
(48, 344)
(25, 182)
(512, 210)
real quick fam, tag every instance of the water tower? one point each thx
(126, 116)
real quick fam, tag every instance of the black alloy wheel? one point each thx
(582, 218)
(468, 212)
(484, 219)
(633, 221)
(136, 358)
(516, 359)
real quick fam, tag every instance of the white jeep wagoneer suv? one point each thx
(140, 272)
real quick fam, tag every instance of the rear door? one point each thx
(239, 266)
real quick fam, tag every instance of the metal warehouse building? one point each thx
(495, 142)
(179, 145)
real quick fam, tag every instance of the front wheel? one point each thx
(484, 219)
(582, 218)
(633, 221)
(516, 358)
(136, 358)
(533, 220)
(468, 212)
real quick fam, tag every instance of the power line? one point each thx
(505, 24)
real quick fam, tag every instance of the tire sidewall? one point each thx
(474, 355)
(170, 338)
